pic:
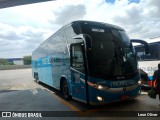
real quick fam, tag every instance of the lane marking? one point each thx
(65, 102)
(144, 93)
(34, 91)
(78, 111)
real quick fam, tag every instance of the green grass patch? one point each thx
(12, 67)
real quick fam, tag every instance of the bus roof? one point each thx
(100, 23)
(93, 22)
(111, 26)
(151, 41)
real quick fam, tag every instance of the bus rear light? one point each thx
(150, 83)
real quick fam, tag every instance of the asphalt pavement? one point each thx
(19, 92)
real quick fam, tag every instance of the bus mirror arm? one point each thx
(146, 45)
(82, 37)
(79, 37)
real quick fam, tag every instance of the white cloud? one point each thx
(69, 14)
(17, 42)
(23, 28)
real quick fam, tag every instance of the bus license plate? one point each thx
(124, 97)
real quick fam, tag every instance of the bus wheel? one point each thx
(36, 78)
(65, 90)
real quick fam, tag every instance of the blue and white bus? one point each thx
(88, 61)
(148, 63)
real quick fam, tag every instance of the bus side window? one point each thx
(35, 64)
(77, 57)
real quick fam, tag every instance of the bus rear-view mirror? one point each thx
(146, 45)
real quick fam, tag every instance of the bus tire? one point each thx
(36, 78)
(65, 90)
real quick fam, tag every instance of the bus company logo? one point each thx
(21, 114)
(6, 114)
(122, 83)
(97, 30)
(46, 61)
(149, 68)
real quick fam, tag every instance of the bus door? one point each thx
(77, 68)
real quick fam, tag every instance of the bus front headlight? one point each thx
(99, 98)
(97, 86)
(139, 82)
(100, 87)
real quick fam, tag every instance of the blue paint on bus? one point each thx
(97, 61)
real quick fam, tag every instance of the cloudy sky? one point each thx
(23, 28)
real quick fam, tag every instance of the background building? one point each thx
(16, 61)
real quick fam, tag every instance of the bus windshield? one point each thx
(112, 55)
